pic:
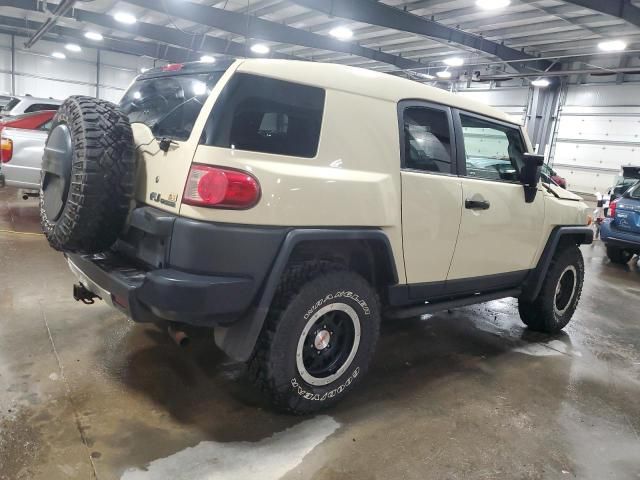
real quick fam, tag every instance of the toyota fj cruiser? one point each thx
(290, 205)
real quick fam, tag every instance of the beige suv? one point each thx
(289, 206)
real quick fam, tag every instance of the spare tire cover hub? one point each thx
(56, 169)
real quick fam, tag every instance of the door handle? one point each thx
(476, 204)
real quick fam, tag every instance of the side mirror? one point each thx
(530, 175)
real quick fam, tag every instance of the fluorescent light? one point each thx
(260, 48)
(612, 46)
(444, 74)
(341, 33)
(59, 55)
(72, 47)
(207, 59)
(124, 17)
(95, 36)
(492, 4)
(541, 83)
(454, 61)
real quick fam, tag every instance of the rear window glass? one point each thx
(261, 114)
(169, 105)
(38, 107)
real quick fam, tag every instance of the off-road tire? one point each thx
(542, 314)
(305, 289)
(102, 177)
(619, 255)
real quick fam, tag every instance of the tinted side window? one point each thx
(493, 151)
(427, 140)
(265, 115)
(36, 107)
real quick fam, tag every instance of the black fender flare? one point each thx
(533, 283)
(238, 339)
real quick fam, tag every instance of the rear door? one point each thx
(431, 195)
(628, 211)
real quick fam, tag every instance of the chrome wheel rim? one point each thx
(565, 290)
(328, 344)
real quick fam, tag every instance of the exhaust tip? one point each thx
(178, 336)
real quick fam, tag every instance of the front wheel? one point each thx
(558, 299)
(318, 339)
(619, 255)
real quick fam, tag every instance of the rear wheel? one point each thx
(318, 338)
(619, 255)
(558, 299)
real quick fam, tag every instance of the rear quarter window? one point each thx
(265, 115)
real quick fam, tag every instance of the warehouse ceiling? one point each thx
(392, 36)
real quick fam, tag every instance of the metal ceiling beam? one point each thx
(60, 9)
(623, 9)
(375, 13)
(253, 27)
(196, 43)
(63, 35)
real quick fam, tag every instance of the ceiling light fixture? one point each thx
(72, 47)
(612, 46)
(454, 61)
(492, 4)
(207, 59)
(95, 36)
(260, 48)
(124, 17)
(341, 33)
(59, 55)
(444, 74)
(541, 83)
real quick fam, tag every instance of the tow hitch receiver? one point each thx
(81, 294)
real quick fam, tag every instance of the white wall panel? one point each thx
(598, 132)
(512, 101)
(60, 89)
(5, 83)
(39, 74)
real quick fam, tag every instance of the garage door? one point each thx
(510, 100)
(598, 132)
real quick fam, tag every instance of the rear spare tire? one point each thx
(88, 176)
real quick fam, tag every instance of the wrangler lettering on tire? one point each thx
(318, 338)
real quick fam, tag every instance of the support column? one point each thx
(98, 73)
(13, 65)
(541, 116)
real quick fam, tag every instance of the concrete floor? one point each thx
(85, 393)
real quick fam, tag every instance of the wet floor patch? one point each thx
(268, 459)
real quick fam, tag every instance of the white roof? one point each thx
(364, 82)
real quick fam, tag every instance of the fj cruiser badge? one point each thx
(170, 201)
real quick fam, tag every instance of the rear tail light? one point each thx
(220, 188)
(6, 150)
(612, 208)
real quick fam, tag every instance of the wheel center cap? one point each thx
(323, 337)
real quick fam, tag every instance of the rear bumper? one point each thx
(165, 294)
(171, 268)
(618, 238)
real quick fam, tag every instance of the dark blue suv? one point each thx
(621, 231)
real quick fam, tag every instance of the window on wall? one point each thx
(427, 140)
(493, 151)
(265, 115)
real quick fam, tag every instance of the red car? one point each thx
(29, 121)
